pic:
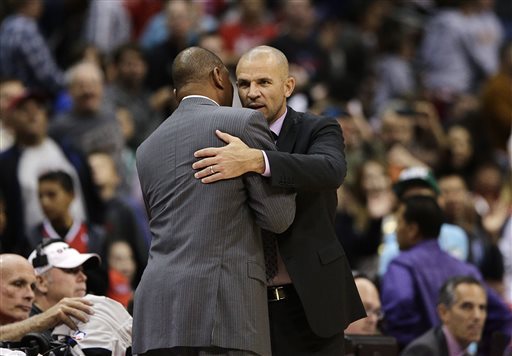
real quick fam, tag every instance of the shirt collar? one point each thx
(277, 125)
(200, 96)
(454, 348)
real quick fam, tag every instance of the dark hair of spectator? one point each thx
(447, 292)
(127, 47)
(426, 213)
(60, 177)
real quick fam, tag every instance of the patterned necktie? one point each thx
(270, 252)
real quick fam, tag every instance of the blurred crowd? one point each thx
(413, 83)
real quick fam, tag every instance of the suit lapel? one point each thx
(288, 134)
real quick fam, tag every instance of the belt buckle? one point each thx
(277, 294)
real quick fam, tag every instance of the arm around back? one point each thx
(273, 207)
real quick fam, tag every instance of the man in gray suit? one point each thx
(203, 291)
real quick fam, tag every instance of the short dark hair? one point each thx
(60, 177)
(124, 48)
(194, 65)
(447, 291)
(426, 213)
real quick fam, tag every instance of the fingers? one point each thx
(204, 173)
(77, 308)
(204, 163)
(207, 152)
(225, 136)
(68, 321)
(212, 178)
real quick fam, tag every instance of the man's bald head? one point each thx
(268, 53)
(16, 284)
(264, 82)
(193, 66)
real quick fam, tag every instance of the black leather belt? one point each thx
(277, 293)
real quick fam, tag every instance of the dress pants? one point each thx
(290, 333)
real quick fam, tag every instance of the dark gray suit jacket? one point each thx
(310, 249)
(432, 343)
(204, 284)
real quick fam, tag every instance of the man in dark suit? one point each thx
(313, 297)
(462, 309)
(203, 291)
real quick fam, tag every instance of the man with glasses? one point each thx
(371, 300)
(59, 271)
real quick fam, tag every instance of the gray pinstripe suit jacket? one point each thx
(204, 284)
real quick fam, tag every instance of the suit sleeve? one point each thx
(321, 167)
(273, 207)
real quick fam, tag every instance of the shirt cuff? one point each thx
(267, 172)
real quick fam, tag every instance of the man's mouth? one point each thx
(255, 106)
(25, 308)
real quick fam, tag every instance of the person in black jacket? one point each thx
(313, 297)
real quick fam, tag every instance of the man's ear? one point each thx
(289, 86)
(42, 284)
(217, 78)
(442, 311)
(413, 231)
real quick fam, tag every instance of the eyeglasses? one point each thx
(379, 314)
(74, 271)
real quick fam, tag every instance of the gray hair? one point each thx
(447, 292)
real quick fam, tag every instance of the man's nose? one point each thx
(82, 277)
(29, 294)
(253, 91)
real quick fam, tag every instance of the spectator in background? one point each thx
(33, 154)
(459, 59)
(25, 54)
(182, 34)
(108, 25)
(371, 301)
(124, 218)
(496, 103)
(361, 209)
(462, 308)
(128, 90)
(91, 124)
(9, 89)
(411, 135)
(17, 295)
(420, 181)
(460, 208)
(393, 67)
(299, 43)
(463, 154)
(252, 26)
(410, 287)
(488, 34)
(56, 192)
(121, 273)
(60, 273)
(15, 289)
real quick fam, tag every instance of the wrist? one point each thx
(257, 161)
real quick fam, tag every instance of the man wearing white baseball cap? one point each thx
(59, 273)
